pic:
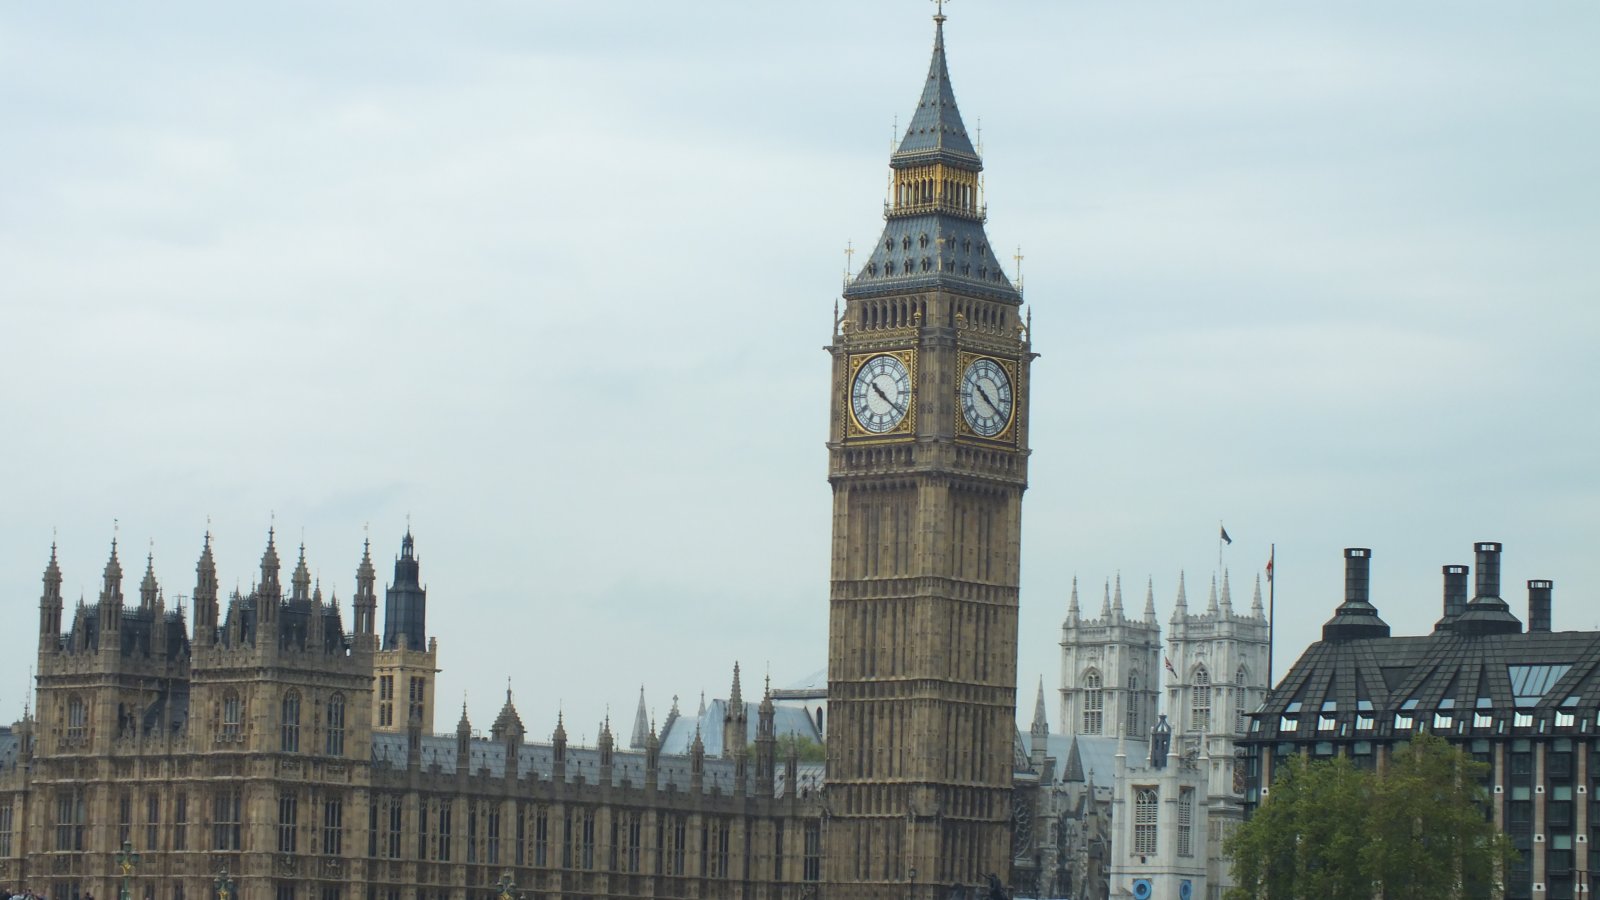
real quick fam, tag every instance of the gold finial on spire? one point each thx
(849, 257)
(938, 10)
(1018, 257)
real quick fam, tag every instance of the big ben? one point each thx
(928, 453)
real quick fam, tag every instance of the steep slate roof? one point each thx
(936, 129)
(1536, 674)
(936, 249)
(538, 760)
(786, 720)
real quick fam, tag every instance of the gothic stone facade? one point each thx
(249, 746)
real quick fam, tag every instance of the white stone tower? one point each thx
(1110, 668)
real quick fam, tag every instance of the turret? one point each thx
(1180, 608)
(205, 596)
(405, 614)
(269, 593)
(1116, 600)
(766, 744)
(1072, 605)
(300, 582)
(148, 588)
(109, 609)
(697, 763)
(1150, 601)
(735, 724)
(652, 759)
(50, 606)
(366, 604)
(1227, 595)
(607, 746)
(463, 742)
(1161, 742)
(558, 750)
(1256, 610)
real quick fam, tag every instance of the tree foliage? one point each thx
(1329, 830)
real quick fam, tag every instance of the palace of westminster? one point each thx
(257, 735)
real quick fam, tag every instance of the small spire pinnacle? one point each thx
(1072, 603)
(1255, 602)
(1105, 605)
(1039, 723)
(1180, 609)
(1227, 594)
(1211, 602)
(1150, 600)
(1117, 598)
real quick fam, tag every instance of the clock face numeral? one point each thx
(880, 396)
(986, 397)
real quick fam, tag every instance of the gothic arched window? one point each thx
(1241, 720)
(1132, 713)
(335, 745)
(1094, 703)
(290, 742)
(1200, 701)
(232, 716)
(1146, 806)
(77, 720)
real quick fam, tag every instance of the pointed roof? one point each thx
(52, 575)
(111, 590)
(936, 129)
(935, 243)
(735, 698)
(1211, 602)
(508, 721)
(1255, 602)
(1116, 599)
(464, 726)
(301, 580)
(270, 567)
(641, 725)
(206, 570)
(148, 587)
(1150, 600)
(1072, 604)
(1039, 722)
(1227, 594)
(1105, 605)
(1180, 609)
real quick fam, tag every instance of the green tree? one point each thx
(1329, 830)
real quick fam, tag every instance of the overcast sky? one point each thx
(552, 279)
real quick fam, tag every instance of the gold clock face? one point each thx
(986, 396)
(880, 394)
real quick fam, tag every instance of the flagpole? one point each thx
(1272, 606)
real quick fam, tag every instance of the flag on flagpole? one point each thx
(1170, 670)
(1225, 538)
(1269, 570)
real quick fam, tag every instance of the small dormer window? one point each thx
(926, 264)
(909, 266)
(923, 242)
(966, 246)
(872, 268)
(982, 247)
(888, 267)
(983, 271)
(905, 242)
(966, 268)
(889, 244)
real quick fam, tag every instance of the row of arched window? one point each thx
(1094, 704)
(289, 722)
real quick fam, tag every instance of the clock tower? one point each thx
(928, 456)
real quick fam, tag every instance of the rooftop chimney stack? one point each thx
(1488, 568)
(1357, 575)
(1486, 613)
(1455, 596)
(1539, 604)
(1356, 618)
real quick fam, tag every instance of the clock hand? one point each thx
(892, 405)
(984, 394)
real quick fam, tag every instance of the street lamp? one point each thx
(127, 861)
(506, 885)
(911, 884)
(223, 884)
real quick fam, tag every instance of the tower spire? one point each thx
(1150, 601)
(148, 589)
(205, 595)
(1072, 603)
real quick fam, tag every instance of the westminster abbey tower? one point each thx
(928, 452)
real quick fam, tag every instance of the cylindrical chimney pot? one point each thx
(1488, 568)
(1455, 591)
(1539, 590)
(1357, 575)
